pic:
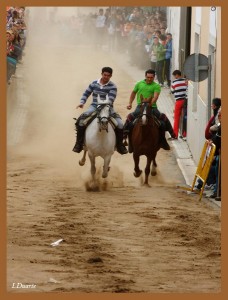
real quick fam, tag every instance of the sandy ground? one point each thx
(126, 237)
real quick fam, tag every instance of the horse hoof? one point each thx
(137, 174)
(146, 185)
(92, 186)
(104, 175)
(153, 173)
(81, 163)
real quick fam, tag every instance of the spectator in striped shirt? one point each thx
(179, 89)
(102, 87)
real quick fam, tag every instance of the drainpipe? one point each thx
(209, 88)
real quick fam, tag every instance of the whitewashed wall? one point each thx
(196, 124)
(173, 20)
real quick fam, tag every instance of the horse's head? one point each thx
(145, 109)
(103, 115)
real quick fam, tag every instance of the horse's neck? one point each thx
(104, 113)
(94, 125)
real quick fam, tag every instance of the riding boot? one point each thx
(126, 129)
(80, 139)
(163, 142)
(169, 128)
(119, 141)
(130, 148)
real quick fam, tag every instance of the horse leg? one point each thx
(137, 172)
(154, 166)
(93, 167)
(147, 170)
(83, 160)
(106, 168)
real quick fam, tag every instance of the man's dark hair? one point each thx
(177, 72)
(150, 71)
(163, 37)
(217, 102)
(106, 69)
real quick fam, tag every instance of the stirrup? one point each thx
(122, 150)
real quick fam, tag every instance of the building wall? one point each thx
(218, 73)
(173, 23)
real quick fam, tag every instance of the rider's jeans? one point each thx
(154, 111)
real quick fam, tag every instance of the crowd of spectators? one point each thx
(15, 39)
(136, 31)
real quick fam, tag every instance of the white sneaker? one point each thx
(208, 187)
(213, 186)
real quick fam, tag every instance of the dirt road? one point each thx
(125, 238)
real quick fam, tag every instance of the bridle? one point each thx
(103, 120)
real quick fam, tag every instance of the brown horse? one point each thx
(145, 140)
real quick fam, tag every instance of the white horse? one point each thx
(100, 138)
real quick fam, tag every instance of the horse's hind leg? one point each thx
(137, 172)
(106, 168)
